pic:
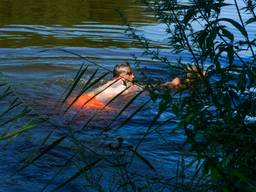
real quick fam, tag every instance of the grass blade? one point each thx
(86, 88)
(77, 174)
(142, 158)
(19, 131)
(20, 115)
(107, 104)
(134, 113)
(6, 93)
(79, 75)
(124, 108)
(12, 106)
(3, 84)
(68, 161)
(40, 153)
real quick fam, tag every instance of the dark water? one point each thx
(39, 46)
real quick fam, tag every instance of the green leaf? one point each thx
(227, 34)
(215, 174)
(60, 171)
(190, 13)
(19, 131)
(6, 93)
(230, 52)
(33, 157)
(79, 75)
(12, 106)
(201, 36)
(142, 158)
(134, 113)
(211, 37)
(124, 108)
(85, 89)
(25, 112)
(251, 20)
(77, 174)
(107, 104)
(234, 23)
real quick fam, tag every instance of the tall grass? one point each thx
(113, 163)
(214, 112)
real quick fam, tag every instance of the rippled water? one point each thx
(39, 44)
(34, 40)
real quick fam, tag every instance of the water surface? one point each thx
(41, 48)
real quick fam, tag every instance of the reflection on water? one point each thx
(67, 23)
(87, 35)
(65, 12)
(40, 47)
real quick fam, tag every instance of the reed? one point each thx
(213, 109)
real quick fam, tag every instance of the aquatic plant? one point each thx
(216, 111)
(92, 166)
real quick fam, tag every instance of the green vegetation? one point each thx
(214, 107)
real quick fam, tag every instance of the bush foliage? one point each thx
(218, 107)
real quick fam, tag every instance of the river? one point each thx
(39, 44)
(41, 48)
